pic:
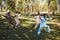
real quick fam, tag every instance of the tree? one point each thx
(11, 4)
(58, 5)
(16, 4)
(53, 6)
(1, 6)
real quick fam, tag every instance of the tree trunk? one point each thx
(48, 7)
(16, 6)
(58, 8)
(1, 8)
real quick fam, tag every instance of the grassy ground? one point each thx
(26, 31)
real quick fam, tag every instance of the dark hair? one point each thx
(19, 12)
(9, 13)
(16, 11)
(44, 15)
(38, 13)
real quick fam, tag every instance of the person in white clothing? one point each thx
(17, 19)
(37, 20)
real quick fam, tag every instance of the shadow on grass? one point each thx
(27, 33)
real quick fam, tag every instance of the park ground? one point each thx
(26, 29)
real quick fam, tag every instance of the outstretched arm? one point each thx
(48, 18)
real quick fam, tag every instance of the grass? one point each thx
(26, 31)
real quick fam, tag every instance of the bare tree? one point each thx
(16, 4)
(58, 5)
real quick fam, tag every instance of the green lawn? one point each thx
(26, 31)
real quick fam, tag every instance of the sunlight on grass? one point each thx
(26, 31)
(29, 22)
(25, 25)
(26, 36)
(30, 30)
(57, 38)
(16, 35)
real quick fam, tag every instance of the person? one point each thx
(43, 24)
(17, 15)
(9, 18)
(37, 20)
(53, 13)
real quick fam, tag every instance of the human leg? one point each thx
(36, 25)
(40, 29)
(16, 24)
(47, 28)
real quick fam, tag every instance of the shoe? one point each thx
(38, 33)
(15, 27)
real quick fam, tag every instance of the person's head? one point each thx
(16, 11)
(8, 13)
(38, 13)
(44, 15)
(19, 12)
